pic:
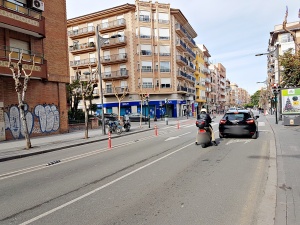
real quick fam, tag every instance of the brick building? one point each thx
(37, 29)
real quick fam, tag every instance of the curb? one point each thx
(8, 158)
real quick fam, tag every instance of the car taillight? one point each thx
(250, 121)
(222, 121)
(202, 131)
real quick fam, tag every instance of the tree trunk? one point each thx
(24, 123)
(86, 134)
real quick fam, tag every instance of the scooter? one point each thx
(203, 137)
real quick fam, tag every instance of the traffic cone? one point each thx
(109, 140)
(155, 130)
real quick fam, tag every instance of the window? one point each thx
(120, 19)
(106, 55)
(164, 50)
(90, 27)
(286, 38)
(163, 18)
(165, 67)
(146, 50)
(104, 23)
(107, 71)
(124, 84)
(165, 82)
(146, 66)
(92, 58)
(123, 70)
(75, 30)
(145, 32)
(109, 88)
(91, 42)
(147, 82)
(144, 16)
(16, 46)
(122, 53)
(77, 60)
(164, 34)
(106, 40)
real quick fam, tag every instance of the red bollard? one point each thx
(109, 140)
(178, 124)
(155, 129)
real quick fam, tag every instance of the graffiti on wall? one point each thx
(46, 117)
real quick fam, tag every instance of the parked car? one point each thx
(135, 117)
(238, 123)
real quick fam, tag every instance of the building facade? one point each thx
(147, 49)
(39, 32)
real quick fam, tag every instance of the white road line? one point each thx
(102, 187)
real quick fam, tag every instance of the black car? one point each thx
(136, 117)
(238, 123)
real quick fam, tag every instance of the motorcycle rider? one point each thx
(205, 116)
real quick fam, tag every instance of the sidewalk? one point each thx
(14, 149)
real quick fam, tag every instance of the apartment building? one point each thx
(38, 30)
(234, 98)
(147, 49)
(282, 40)
(201, 79)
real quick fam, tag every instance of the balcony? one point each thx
(82, 48)
(181, 75)
(144, 18)
(113, 59)
(180, 45)
(191, 90)
(115, 91)
(207, 80)
(146, 70)
(191, 67)
(163, 21)
(115, 25)
(83, 63)
(181, 60)
(163, 70)
(191, 78)
(115, 75)
(182, 89)
(22, 19)
(82, 32)
(180, 30)
(190, 53)
(40, 67)
(114, 43)
(190, 41)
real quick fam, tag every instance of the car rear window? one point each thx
(237, 116)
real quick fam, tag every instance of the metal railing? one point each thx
(115, 23)
(80, 31)
(16, 52)
(82, 46)
(113, 58)
(115, 74)
(21, 9)
(83, 62)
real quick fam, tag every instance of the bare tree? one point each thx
(297, 47)
(87, 83)
(120, 93)
(17, 70)
(143, 97)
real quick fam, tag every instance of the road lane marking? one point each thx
(102, 187)
(172, 138)
(77, 157)
(237, 141)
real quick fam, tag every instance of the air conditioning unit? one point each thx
(37, 5)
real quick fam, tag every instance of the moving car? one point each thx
(135, 117)
(238, 123)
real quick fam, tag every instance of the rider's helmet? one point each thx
(203, 110)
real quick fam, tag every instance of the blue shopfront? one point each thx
(156, 108)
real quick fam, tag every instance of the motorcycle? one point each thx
(203, 137)
(115, 126)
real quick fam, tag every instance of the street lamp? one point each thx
(277, 78)
(100, 42)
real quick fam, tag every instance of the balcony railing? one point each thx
(181, 60)
(114, 42)
(181, 88)
(81, 31)
(164, 54)
(181, 74)
(146, 70)
(16, 52)
(164, 21)
(120, 74)
(82, 47)
(109, 59)
(83, 62)
(21, 9)
(113, 24)
(116, 90)
(144, 18)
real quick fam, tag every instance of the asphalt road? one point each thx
(143, 179)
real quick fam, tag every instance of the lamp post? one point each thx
(277, 78)
(100, 42)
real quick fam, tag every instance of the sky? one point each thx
(233, 31)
